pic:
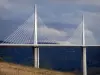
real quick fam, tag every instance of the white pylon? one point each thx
(83, 31)
(35, 25)
(84, 48)
(36, 49)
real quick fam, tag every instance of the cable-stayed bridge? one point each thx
(24, 34)
(35, 32)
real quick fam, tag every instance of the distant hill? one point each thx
(1, 41)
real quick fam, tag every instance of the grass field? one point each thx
(15, 69)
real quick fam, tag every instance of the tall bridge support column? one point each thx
(84, 48)
(36, 49)
(36, 56)
(84, 61)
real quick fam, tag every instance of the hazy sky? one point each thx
(60, 16)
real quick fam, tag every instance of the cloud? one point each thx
(3, 3)
(51, 34)
(93, 24)
(89, 38)
(64, 1)
(93, 2)
(16, 9)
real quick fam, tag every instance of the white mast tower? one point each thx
(36, 49)
(84, 48)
